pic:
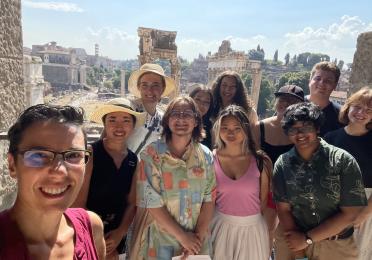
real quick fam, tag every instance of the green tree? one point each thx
(313, 59)
(256, 55)
(265, 99)
(276, 56)
(300, 79)
(247, 80)
(287, 58)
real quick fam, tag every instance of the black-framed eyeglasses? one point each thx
(188, 114)
(37, 158)
(304, 130)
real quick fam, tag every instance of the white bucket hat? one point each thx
(117, 105)
(170, 85)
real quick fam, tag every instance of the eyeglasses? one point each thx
(304, 130)
(38, 158)
(188, 114)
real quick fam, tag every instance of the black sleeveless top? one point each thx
(273, 151)
(109, 187)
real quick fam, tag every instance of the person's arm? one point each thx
(81, 200)
(188, 240)
(256, 132)
(265, 179)
(285, 216)
(98, 238)
(204, 219)
(364, 214)
(114, 237)
(334, 224)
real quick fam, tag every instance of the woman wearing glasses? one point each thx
(175, 189)
(47, 156)
(108, 189)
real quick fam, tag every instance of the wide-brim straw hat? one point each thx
(170, 85)
(117, 105)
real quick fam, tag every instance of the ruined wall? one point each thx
(12, 94)
(361, 74)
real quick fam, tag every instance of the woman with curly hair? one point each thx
(227, 89)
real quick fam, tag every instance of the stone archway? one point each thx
(158, 44)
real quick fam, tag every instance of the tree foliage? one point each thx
(300, 79)
(256, 55)
(276, 56)
(265, 99)
(286, 59)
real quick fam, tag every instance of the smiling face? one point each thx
(322, 84)
(231, 131)
(284, 101)
(182, 120)
(228, 90)
(360, 114)
(53, 187)
(203, 100)
(151, 87)
(118, 126)
(303, 135)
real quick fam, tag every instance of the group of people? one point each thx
(201, 177)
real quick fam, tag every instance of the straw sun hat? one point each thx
(153, 68)
(117, 105)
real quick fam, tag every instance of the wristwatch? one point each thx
(309, 240)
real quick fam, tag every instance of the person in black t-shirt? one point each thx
(323, 80)
(356, 138)
(109, 183)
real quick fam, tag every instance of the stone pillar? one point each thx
(361, 74)
(122, 83)
(256, 85)
(12, 93)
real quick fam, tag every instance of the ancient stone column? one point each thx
(12, 93)
(122, 83)
(361, 74)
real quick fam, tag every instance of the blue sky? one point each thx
(329, 27)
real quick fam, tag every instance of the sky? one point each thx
(329, 27)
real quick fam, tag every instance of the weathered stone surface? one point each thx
(12, 93)
(361, 74)
(11, 30)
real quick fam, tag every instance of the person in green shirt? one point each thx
(318, 189)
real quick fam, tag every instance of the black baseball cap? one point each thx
(291, 90)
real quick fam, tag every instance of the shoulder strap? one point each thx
(259, 162)
(262, 132)
(150, 130)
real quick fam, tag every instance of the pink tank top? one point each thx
(239, 197)
(13, 246)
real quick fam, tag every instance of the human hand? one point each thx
(191, 243)
(112, 240)
(296, 241)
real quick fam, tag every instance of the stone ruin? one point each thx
(228, 59)
(361, 74)
(12, 91)
(158, 44)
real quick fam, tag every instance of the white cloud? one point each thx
(55, 6)
(113, 42)
(337, 40)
